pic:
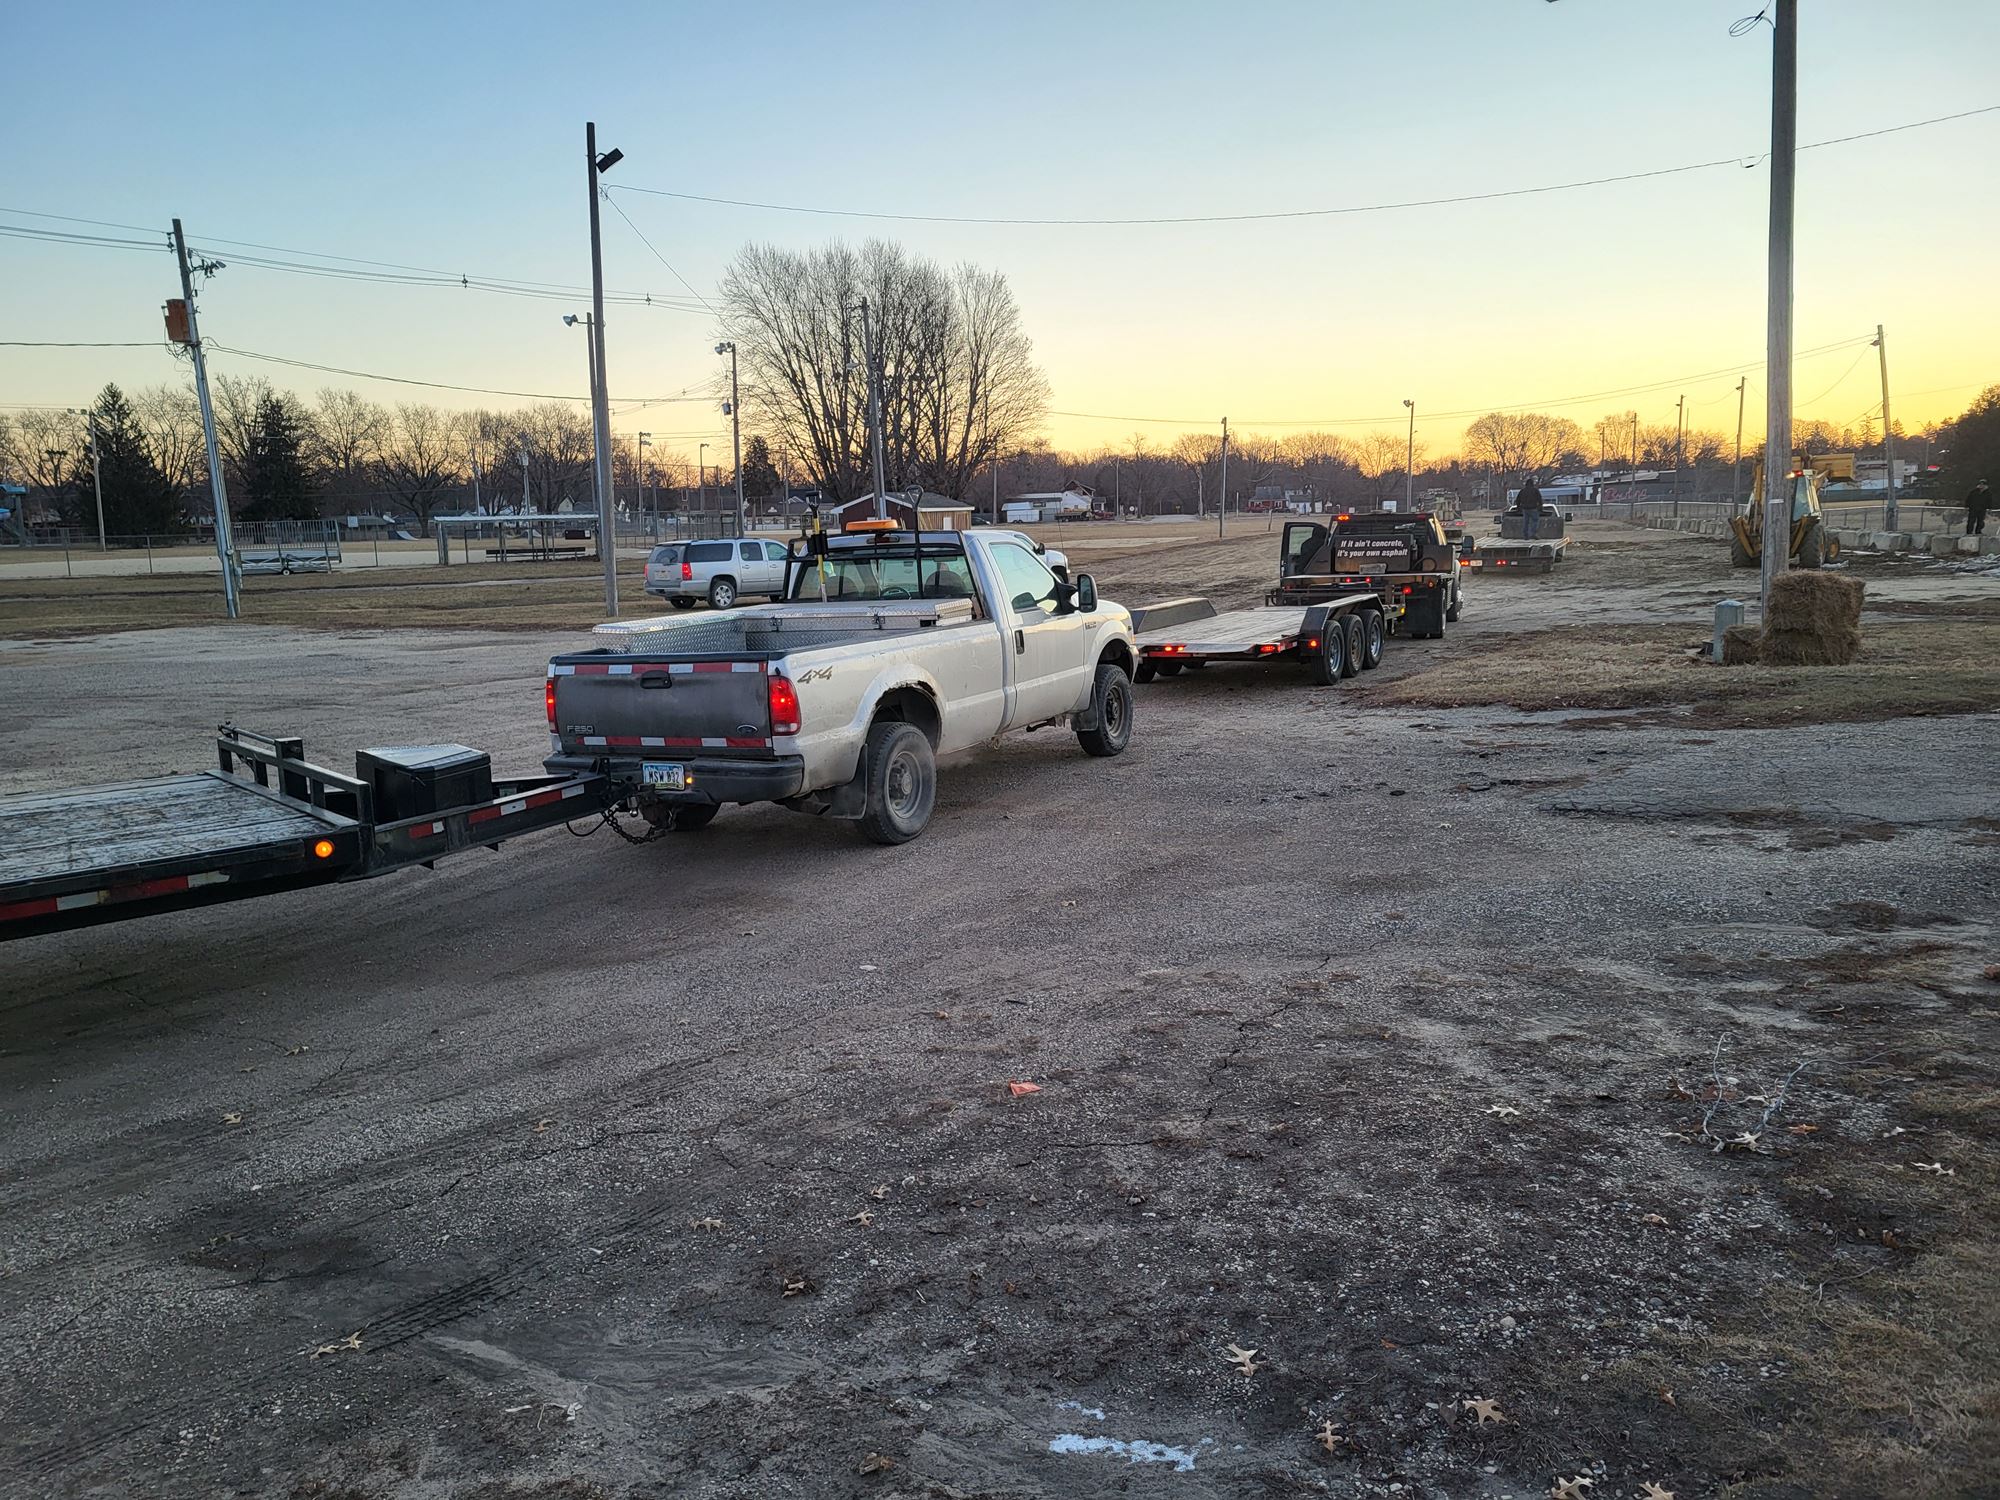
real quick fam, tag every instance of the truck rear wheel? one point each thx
(1145, 672)
(680, 603)
(1372, 639)
(1457, 601)
(1111, 706)
(1353, 646)
(722, 593)
(901, 786)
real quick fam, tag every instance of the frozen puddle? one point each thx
(1134, 1451)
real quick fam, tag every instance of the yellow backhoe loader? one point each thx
(1813, 542)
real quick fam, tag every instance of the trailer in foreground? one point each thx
(1335, 638)
(264, 820)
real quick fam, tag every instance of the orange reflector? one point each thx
(323, 849)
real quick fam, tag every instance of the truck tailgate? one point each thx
(626, 706)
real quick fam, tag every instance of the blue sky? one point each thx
(450, 135)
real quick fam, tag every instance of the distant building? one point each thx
(933, 513)
(1073, 502)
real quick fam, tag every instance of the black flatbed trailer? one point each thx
(1336, 637)
(264, 820)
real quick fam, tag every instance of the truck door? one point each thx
(1048, 649)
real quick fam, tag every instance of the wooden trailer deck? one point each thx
(1240, 630)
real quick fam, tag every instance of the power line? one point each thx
(656, 254)
(1294, 213)
(32, 344)
(436, 385)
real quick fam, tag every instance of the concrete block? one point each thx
(1968, 544)
(1851, 539)
(1988, 545)
(1941, 544)
(1890, 541)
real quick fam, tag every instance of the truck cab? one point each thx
(1406, 557)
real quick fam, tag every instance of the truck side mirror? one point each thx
(1085, 597)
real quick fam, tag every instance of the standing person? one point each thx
(1976, 505)
(1530, 501)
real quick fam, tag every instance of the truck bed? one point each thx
(775, 629)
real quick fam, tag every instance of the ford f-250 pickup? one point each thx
(891, 648)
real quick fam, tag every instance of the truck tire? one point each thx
(1373, 638)
(1457, 603)
(1111, 706)
(680, 817)
(680, 603)
(722, 593)
(901, 784)
(1324, 663)
(1812, 548)
(1353, 645)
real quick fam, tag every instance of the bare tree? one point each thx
(170, 418)
(1521, 442)
(958, 380)
(236, 400)
(349, 434)
(423, 460)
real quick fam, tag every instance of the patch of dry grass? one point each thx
(1919, 667)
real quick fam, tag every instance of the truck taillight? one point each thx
(784, 706)
(549, 702)
(687, 572)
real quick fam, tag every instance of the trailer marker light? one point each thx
(1312, 642)
(323, 849)
(784, 706)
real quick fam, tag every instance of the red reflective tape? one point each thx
(591, 669)
(172, 885)
(43, 908)
(736, 744)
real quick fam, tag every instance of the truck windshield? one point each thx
(883, 574)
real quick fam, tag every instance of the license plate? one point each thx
(664, 773)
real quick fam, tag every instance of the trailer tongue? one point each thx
(265, 820)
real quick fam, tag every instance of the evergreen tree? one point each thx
(139, 500)
(278, 483)
(760, 475)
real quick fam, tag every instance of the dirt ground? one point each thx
(1619, 1069)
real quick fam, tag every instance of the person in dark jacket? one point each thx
(1976, 505)
(1530, 501)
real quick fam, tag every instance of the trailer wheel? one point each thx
(1325, 663)
(680, 817)
(1144, 672)
(901, 785)
(1111, 704)
(1168, 668)
(1372, 639)
(1353, 645)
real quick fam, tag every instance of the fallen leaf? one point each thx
(1667, 1395)
(707, 1226)
(879, 1192)
(352, 1341)
(1800, 1129)
(1329, 1436)
(1504, 1111)
(866, 1218)
(542, 1126)
(299, 1051)
(796, 1287)
(1017, 1088)
(232, 1119)
(1484, 1409)
(1390, 1344)
(1653, 1219)
(1937, 1167)
(1570, 1489)
(1651, 1491)
(1245, 1360)
(940, 1015)
(875, 1463)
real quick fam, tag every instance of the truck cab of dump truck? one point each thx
(1406, 555)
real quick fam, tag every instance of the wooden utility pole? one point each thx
(1888, 437)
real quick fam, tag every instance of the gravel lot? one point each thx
(1379, 1043)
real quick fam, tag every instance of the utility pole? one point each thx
(639, 475)
(1680, 427)
(701, 478)
(735, 435)
(996, 489)
(1778, 353)
(1736, 475)
(1888, 439)
(474, 452)
(1635, 447)
(1222, 488)
(874, 411)
(526, 507)
(1410, 462)
(225, 545)
(96, 474)
(600, 406)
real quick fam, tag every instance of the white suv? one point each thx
(721, 571)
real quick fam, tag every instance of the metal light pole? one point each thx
(1778, 352)
(701, 477)
(639, 474)
(728, 346)
(600, 407)
(97, 471)
(1888, 439)
(1410, 462)
(1736, 475)
(874, 411)
(1635, 447)
(1222, 488)
(225, 545)
(1680, 426)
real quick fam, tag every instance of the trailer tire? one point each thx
(1168, 668)
(680, 817)
(1373, 634)
(1144, 673)
(1325, 663)
(1111, 706)
(1353, 645)
(900, 785)
(722, 593)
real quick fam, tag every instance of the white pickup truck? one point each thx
(890, 649)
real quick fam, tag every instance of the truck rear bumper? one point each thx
(712, 779)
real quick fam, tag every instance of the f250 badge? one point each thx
(817, 674)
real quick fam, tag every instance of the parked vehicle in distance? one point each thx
(721, 571)
(1058, 562)
(892, 648)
